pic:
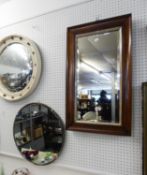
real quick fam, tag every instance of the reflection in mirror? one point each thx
(38, 133)
(15, 67)
(98, 77)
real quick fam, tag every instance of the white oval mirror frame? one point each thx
(36, 67)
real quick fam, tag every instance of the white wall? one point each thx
(103, 154)
(13, 11)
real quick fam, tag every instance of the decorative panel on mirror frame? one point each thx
(20, 67)
(98, 94)
(144, 121)
(38, 133)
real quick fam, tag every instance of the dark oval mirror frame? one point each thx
(55, 116)
(126, 101)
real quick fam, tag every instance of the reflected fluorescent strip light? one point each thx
(78, 51)
(87, 66)
(117, 86)
(83, 64)
(107, 33)
(118, 76)
(104, 76)
(96, 39)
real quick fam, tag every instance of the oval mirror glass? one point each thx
(38, 133)
(20, 67)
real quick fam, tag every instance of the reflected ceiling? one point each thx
(98, 55)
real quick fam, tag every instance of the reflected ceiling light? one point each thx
(94, 81)
(79, 87)
(93, 69)
(118, 75)
(78, 51)
(96, 39)
(104, 76)
(117, 86)
(86, 66)
(107, 33)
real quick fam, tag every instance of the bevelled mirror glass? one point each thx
(38, 133)
(99, 76)
(20, 67)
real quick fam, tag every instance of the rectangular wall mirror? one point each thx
(98, 95)
(144, 112)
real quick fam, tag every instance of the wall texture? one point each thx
(12, 11)
(103, 154)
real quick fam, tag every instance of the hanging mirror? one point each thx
(20, 67)
(38, 133)
(99, 76)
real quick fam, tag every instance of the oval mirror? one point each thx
(20, 67)
(38, 133)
